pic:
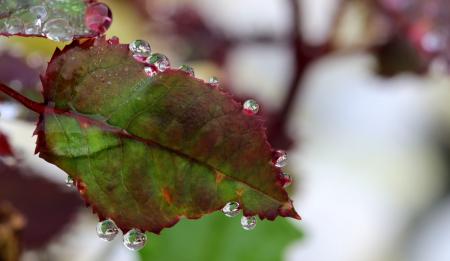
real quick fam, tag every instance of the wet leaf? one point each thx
(217, 238)
(145, 151)
(59, 20)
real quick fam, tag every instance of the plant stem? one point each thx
(32, 105)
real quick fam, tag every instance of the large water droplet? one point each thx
(39, 12)
(280, 158)
(140, 50)
(187, 69)
(98, 17)
(251, 107)
(58, 30)
(14, 26)
(231, 209)
(70, 182)
(248, 223)
(286, 179)
(160, 61)
(107, 230)
(134, 240)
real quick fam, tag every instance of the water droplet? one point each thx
(248, 223)
(214, 81)
(14, 26)
(231, 209)
(286, 179)
(280, 158)
(160, 61)
(187, 69)
(140, 49)
(58, 30)
(70, 182)
(149, 71)
(98, 17)
(107, 230)
(134, 240)
(251, 107)
(39, 12)
(114, 40)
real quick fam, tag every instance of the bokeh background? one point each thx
(356, 91)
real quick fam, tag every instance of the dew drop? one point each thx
(107, 230)
(58, 30)
(140, 50)
(231, 209)
(160, 61)
(14, 26)
(98, 17)
(114, 40)
(280, 158)
(248, 223)
(214, 81)
(39, 12)
(251, 107)
(149, 71)
(134, 240)
(286, 179)
(187, 69)
(70, 182)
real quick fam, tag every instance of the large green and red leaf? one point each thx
(145, 151)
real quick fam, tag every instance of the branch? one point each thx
(32, 105)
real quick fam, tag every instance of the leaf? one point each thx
(217, 238)
(5, 147)
(145, 151)
(59, 20)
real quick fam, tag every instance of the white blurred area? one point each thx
(366, 165)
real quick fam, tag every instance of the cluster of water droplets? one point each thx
(157, 63)
(232, 209)
(56, 20)
(134, 239)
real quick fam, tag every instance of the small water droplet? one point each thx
(248, 223)
(114, 40)
(58, 30)
(149, 71)
(14, 26)
(160, 61)
(286, 179)
(214, 81)
(140, 50)
(231, 209)
(98, 17)
(70, 182)
(280, 158)
(187, 69)
(134, 240)
(107, 230)
(251, 107)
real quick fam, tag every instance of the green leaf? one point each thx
(30, 17)
(217, 238)
(146, 151)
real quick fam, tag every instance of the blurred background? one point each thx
(357, 91)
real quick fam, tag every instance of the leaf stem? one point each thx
(32, 105)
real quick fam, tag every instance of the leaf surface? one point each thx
(146, 151)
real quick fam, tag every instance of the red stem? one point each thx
(32, 105)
